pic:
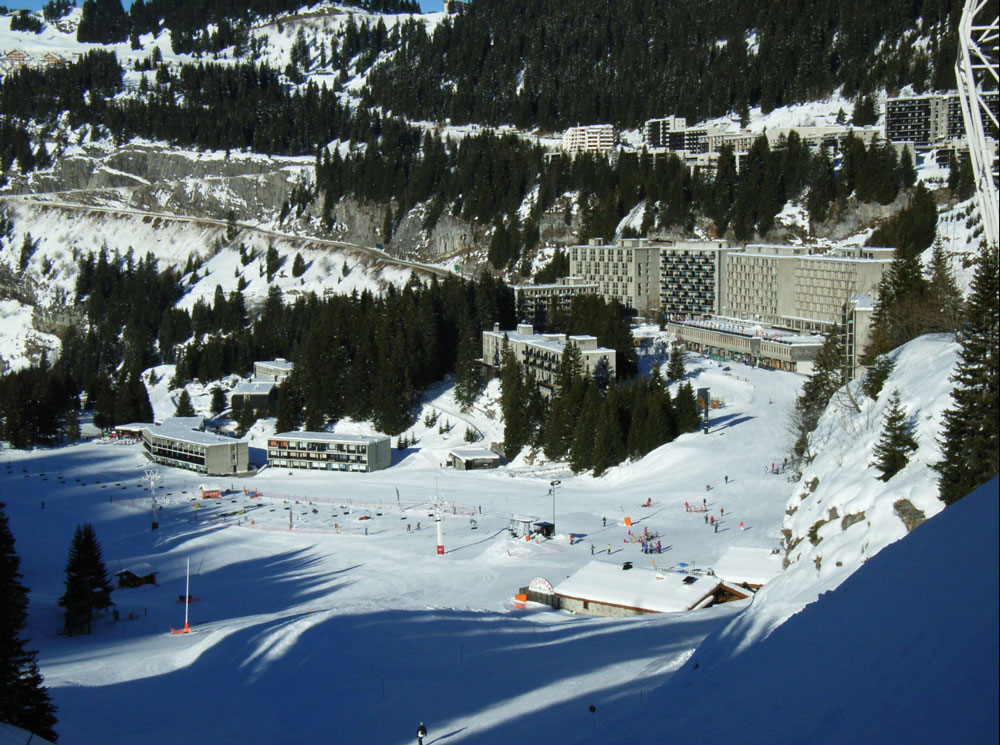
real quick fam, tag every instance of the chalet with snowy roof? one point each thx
(469, 459)
(136, 575)
(615, 590)
(748, 567)
(16, 57)
(329, 451)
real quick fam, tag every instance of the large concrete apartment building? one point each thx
(627, 271)
(691, 277)
(930, 119)
(540, 354)
(591, 138)
(786, 286)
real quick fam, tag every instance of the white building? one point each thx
(540, 354)
(592, 138)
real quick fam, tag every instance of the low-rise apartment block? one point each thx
(275, 370)
(753, 344)
(175, 444)
(540, 354)
(329, 451)
(628, 271)
(530, 300)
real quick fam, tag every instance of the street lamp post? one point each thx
(552, 491)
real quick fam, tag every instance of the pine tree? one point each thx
(826, 378)
(218, 400)
(892, 451)
(24, 700)
(944, 297)
(184, 405)
(686, 408)
(513, 397)
(970, 442)
(468, 367)
(876, 375)
(88, 588)
(298, 266)
(675, 365)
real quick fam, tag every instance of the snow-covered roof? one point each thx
(660, 591)
(254, 387)
(473, 453)
(748, 564)
(281, 364)
(188, 422)
(185, 434)
(329, 437)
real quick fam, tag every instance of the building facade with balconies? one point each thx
(329, 451)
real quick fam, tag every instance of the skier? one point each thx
(742, 526)
(687, 507)
(421, 734)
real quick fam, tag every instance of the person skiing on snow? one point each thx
(421, 734)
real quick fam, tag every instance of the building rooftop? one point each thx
(329, 437)
(755, 566)
(471, 453)
(258, 387)
(657, 590)
(280, 363)
(176, 431)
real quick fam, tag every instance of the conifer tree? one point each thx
(609, 440)
(468, 367)
(512, 400)
(88, 588)
(686, 408)
(876, 374)
(892, 451)
(218, 400)
(675, 365)
(565, 403)
(24, 700)
(944, 297)
(970, 443)
(581, 455)
(184, 405)
(827, 376)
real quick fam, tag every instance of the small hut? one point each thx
(136, 576)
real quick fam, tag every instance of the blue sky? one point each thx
(428, 6)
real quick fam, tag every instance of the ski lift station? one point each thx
(524, 526)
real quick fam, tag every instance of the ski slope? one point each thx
(348, 630)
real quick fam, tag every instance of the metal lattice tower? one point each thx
(976, 72)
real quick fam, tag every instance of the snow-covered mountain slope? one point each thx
(905, 651)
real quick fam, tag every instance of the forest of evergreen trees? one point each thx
(557, 64)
